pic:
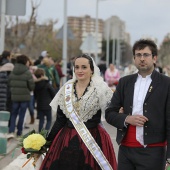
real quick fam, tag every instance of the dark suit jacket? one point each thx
(156, 108)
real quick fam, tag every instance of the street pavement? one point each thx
(13, 151)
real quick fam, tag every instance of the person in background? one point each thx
(20, 83)
(79, 105)
(158, 67)
(143, 129)
(70, 68)
(5, 69)
(14, 57)
(39, 60)
(44, 93)
(112, 75)
(58, 67)
(102, 67)
(31, 102)
(166, 70)
(50, 72)
(130, 69)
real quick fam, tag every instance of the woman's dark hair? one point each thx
(142, 43)
(22, 59)
(4, 55)
(88, 57)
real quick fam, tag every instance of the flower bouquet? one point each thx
(34, 145)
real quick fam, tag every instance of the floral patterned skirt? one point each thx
(68, 151)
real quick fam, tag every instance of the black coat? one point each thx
(156, 108)
(44, 93)
(5, 96)
(4, 90)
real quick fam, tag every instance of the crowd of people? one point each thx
(138, 107)
(21, 85)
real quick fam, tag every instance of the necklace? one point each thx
(77, 106)
(79, 94)
(80, 91)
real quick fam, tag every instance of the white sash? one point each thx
(83, 131)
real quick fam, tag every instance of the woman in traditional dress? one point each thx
(79, 141)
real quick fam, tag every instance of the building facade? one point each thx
(85, 26)
(114, 28)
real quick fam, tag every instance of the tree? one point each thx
(28, 36)
(164, 52)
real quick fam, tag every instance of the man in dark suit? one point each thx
(143, 128)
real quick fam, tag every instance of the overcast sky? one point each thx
(141, 17)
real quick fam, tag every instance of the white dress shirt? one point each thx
(140, 90)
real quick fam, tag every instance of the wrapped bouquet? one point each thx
(34, 145)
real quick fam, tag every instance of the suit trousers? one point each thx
(140, 158)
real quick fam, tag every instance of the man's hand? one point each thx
(136, 120)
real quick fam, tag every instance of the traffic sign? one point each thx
(89, 45)
(9, 7)
(15, 7)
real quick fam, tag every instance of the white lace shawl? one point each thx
(98, 96)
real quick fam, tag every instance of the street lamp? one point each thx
(107, 43)
(96, 31)
(64, 57)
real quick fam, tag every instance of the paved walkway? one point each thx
(19, 161)
(12, 146)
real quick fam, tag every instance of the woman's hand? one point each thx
(121, 110)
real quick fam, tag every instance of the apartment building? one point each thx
(84, 26)
(115, 28)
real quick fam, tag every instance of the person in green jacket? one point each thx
(21, 83)
(50, 72)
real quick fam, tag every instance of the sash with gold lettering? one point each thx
(83, 131)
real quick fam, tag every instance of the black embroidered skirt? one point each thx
(68, 152)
